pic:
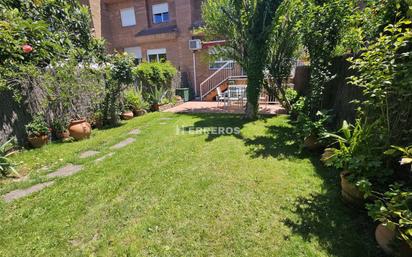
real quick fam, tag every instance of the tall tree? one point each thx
(247, 26)
(284, 44)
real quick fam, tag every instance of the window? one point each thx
(136, 52)
(160, 13)
(216, 62)
(156, 55)
(128, 17)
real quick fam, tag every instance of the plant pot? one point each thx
(80, 129)
(385, 238)
(63, 134)
(127, 115)
(350, 193)
(139, 112)
(155, 107)
(311, 143)
(38, 141)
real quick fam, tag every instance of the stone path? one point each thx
(16, 194)
(165, 118)
(123, 143)
(134, 132)
(66, 171)
(88, 154)
(104, 157)
(69, 169)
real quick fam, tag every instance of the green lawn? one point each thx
(251, 194)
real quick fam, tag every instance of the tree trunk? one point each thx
(255, 82)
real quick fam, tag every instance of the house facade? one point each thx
(155, 30)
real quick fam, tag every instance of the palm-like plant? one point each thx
(7, 165)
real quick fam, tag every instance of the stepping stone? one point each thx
(165, 118)
(16, 194)
(134, 132)
(88, 154)
(66, 171)
(163, 123)
(104, 157)
(123, 143)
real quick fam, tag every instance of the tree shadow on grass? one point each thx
(209, 122)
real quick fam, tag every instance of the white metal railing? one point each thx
(229, 69)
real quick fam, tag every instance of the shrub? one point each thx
(305, 126)
(134, 101)
(6, 164)
(394, 210)
(37, 127)
(155, 74)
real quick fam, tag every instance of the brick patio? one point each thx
(214, 107)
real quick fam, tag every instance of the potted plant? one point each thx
(37, 131)
(80, 129)
(127, 114)
(356, 154)
(7, 165)
(135, 101)
(59, 128)
(402, 161)
(156, 97)
(97, 119)
(311, 131)
(393, 210)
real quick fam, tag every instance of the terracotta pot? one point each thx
(311, 143)
(38, 141)
(385, 238)
(80, 129)
(155, 107)
(63, 135)
(127, 115)
(139, 112)
(350, 193)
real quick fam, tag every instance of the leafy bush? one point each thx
(357, 150)
(305, 126)
(157, 95)
(7, 165)
(394, 210)
(155, 74)
(37, 127)
(134, 100)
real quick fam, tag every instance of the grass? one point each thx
(171, 194)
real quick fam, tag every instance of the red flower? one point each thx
(27, 48)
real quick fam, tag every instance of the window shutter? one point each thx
(128, 17)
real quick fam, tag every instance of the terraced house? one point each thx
(156, 30)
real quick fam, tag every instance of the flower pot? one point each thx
(139, 112)
(80, 129)
(155, 107)
(38, 141)
(311, 143)
(385, 238)
(63, 134)
(127, 115)
(350, 193)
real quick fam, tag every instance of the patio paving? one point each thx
(215, 107)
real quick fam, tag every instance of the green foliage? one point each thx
(59, 125)
(6, 164)
(284, 46)
(153, 74)
(134, 100)
(394, 210)
(55, 29)
(357, 149)
(405, 153)
(157, 95)
(322, 29)
(248, 26)
(119, 76)
(37, 127)
(306, 126)
(385, 75)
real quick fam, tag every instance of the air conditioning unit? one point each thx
(195, 44)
